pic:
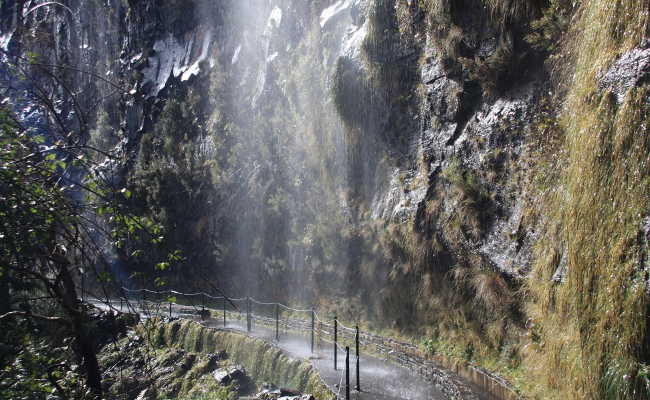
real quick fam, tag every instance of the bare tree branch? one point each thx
(25, 314)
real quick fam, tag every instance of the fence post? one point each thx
(347, 372)
(320, 334)
(335, 337)
(170, 303)
(356, 340)
(313, 325)
(277, 322)
(159, 303)
(224, 311)
(248, 314)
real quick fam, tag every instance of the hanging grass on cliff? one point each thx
(593, 328)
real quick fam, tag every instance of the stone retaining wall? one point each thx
(263, 361)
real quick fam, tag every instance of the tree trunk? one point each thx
(85, 344)
(4, 294)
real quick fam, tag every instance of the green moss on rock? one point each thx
(262, 361)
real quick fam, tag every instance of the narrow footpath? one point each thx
(379, 379)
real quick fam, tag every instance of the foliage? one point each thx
(474, 204)
(593, 327)
(55, 197)
(548, 31)
(39, 370)
(349, 92)
(172, 171)
(508, 11)
(49, 237)
(103, 137)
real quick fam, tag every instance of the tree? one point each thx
(57, 212)
(49, 235)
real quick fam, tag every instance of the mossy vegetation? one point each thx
(174, 167)
(467, 310)
(474, 210)
(457, 26)
(592, 330)
(137, 364)
(547, 32)
(262, 361)
(509, 11)
(586, 337)
(350, 92)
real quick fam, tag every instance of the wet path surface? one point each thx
(379, 379)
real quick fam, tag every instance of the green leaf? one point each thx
(176, 256)
(162, 266)
(137, 253)
(171, 299)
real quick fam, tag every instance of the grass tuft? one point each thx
(592, 330)
(505, 11)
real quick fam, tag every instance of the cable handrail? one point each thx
(263, 303)
(293, 309)
(326, 322)
(253, 300)
(171, 291)
(340, 325)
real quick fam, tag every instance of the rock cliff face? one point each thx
(343, 148)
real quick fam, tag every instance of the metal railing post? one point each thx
(312, 330)
(347, 372)
(335, 340)
(159, 301)
(248, 314)
(224, 311)
(277, 322)
(170, 303)
(356, 340)
(320, 334)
